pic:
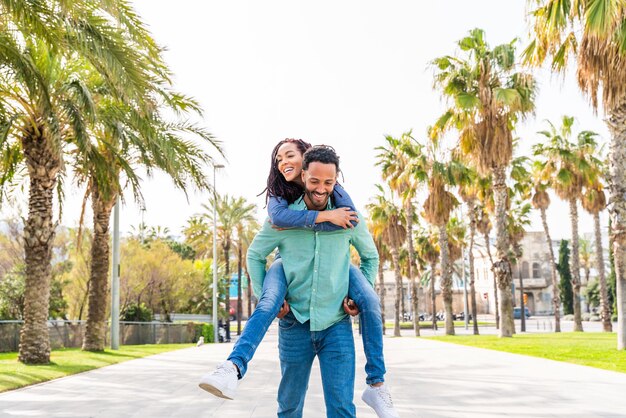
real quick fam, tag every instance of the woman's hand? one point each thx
(284, 310)
(342, 217)
(350, 307)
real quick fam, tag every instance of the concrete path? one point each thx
(427, 379)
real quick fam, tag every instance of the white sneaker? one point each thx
(222, 382)
(379, 399)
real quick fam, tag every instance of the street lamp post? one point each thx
(215, 338)
(115, 279)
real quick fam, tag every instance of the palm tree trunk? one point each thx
(472, 214)
(226, 248)
(605, 312)
(502, 267)
(556, 299)
(239, 302)
(395, 259)
(95, 329)
(43, 166)
(381, 291)
(617, 186)
(446, 279)
(412, 267)
(575, 265)
(620, 296)
(433, 296)
(495, 283)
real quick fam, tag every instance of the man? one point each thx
(316, 266)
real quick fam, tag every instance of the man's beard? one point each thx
(313, 200)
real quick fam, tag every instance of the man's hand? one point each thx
(284, 310)
(350, 307)
(342, 217)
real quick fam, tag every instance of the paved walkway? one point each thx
(427, 379)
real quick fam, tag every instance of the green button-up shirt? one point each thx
(316, 265)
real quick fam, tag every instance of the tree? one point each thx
(427, 247)
(230, 213)
(541, 201)
(401, 163)
(246, 230)
(44, 109)
(594, 202)
(592, 31)
(565, 284)
(386, 214)
(517, 221)
(376, 228)
(129, 139)
(487, 98)
(592, 294)
(569, 171)
(437, 208)
(468, 190)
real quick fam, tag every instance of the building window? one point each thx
(525, 274)
(536, 271)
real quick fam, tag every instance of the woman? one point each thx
(284, 186)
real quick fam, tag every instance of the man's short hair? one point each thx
(324, 154)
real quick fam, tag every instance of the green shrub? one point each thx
(136, 312)
(614, 317)
(207, 333)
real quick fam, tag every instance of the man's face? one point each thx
(319, 180)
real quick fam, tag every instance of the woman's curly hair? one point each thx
(276, 183)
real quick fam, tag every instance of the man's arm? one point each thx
(364, 244)
(263, 244)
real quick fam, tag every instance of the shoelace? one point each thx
(224, 369)
(386, 397)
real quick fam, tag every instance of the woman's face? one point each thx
(289, 162)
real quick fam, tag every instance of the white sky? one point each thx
(343, 73)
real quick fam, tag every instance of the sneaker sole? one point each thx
(215, 391)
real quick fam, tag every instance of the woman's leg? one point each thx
(366, 299)
(270, 302)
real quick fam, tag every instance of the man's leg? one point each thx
(272, 298)
(335, 350)
(366, 299)
(296, 357)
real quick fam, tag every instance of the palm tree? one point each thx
(541, 201)
(230, 213)
(586, 254)
(45, 108)
(426, 244)
(386, 213)
(488, 99)
(593, 32)
(468, 190)
(128, 139)
(245, 234)
(594, 201)
(517, 221)
(377, 228)
(569, 172)
(437, 208)
(400, 161)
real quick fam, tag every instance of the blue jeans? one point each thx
(272, 297)
(365, 297)
(334, 347)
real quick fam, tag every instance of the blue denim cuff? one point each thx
(311, 216)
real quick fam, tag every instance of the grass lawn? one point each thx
(67, 361)
(440, 324)
(585, 348)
